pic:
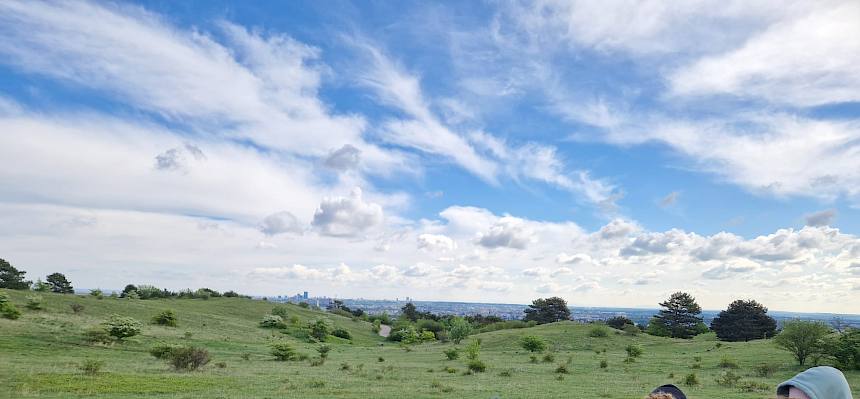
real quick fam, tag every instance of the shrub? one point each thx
(166, 318)
(598, 331)
(345, 366)
(317, 362)
(633, 350)
(561, 369)
(122, 327)
(76, 308)
(532, 343)
(319, 329)
(727, 363)
(283, 351)
(246, 356)
(548, 358)
(341, 333)
(97, 335)
(460, 329)
(752, 386)
(764, 369)
(7, 309)
(476, 366)
(271, 321)
(631, 329)
(162, 351)
(691, 380)
(533, 359)
(619, 322)
(91, 367)
(426, 336)
(604, 364)
(452, 353)
(188, 358)
(323, 351)
(846, 350)
(473, 349)
(728, 379)
(280, 310)
(221, 365)
(380, 359)
(34, 302)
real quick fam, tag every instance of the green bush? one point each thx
(323, 351)
(122, 327)
(280, 310)
(532, 343)
(727, 363)
(76, 308)
(473, 349)
(619, 322)
(167, 317)
(97, 335)
(846, 350)
(452, 353)
(728, 379)
(341, 333)
(188, 358)
(691, 380)
(319, 329)
(598, 331)
(460, 329)
(548, 358)
(283, 351)
(633, 350)
(271, 321)
(7, 309)
(561, 369)
(477, 366)
(97, 293)
(604, 364)
(631, 329)
(91, 367)
(34, 302)
(764, 369)
(162, 351)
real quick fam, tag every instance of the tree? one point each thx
(846, 349)
(12, 278)
(803, 339)
(128, 290)
(408, 311)
(460, 329)
(680, 318)
(547, 310)
(744, 321)
(60, 284)
(619, 322)
(41, 286)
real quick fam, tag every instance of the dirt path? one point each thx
(384, 330)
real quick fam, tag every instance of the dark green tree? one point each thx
(680, 316)
(12, 278)
(547, 310)
(60, 284)
(744, 321)
(128, 290)
(408, 311)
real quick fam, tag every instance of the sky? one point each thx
(610, 153)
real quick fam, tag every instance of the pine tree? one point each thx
(744, 321)
(60, 284)
(12, 278)
(547, 310)
(680, 316)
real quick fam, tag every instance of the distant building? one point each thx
(305, 295)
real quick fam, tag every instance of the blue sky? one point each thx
(609, 153)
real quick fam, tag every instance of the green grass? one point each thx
(40, 355)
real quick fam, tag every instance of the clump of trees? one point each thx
(679, 318)
(12, 278)
(744, 320)
(547, 310)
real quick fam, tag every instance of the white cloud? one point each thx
(820, 218)
(345, 158)
(436, 242)
(281, 222)
(572, 259)
(725, 271)
(347, 216)
(508, 232)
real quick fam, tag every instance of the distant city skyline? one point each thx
(461, 151)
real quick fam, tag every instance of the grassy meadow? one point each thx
(41, 354)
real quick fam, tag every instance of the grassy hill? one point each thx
(40, 354)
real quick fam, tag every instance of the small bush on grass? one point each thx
(633, 351)
(562, 369)
(188, 358)
(97, 293)
(505, 373)
(280, 310)
(765, 370)
(452, 353)
(604, 364)
(162, 351)
(76, 308)
(691, 380)
(697, 358)
(122, 327)
(476, 366)
(34, 302)
(727, 363)
(341, 333)
(323, 351)
(91, 367)
(728, 379)
(221, 365)
(598, 331)
(753, 386)
(7, 309)
(246, 356)
(548, 358)
(283, 351)
(533, 359)
(345, 366)
(167, 318)
(532, 343)
(449, 370)
(632, 330)
(97, 335)
(317, 361)
(319, 329)
(271, 321)
(316, 384)
(473, 349)
(696, 366)
(380, 359)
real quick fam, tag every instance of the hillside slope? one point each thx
(41, 352)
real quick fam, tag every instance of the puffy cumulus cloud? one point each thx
(508, 232)
(280, 222)
(436, 242)
(820, 218)
(657, 243)
(345, 158)
(617, 228)
(347, 216)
